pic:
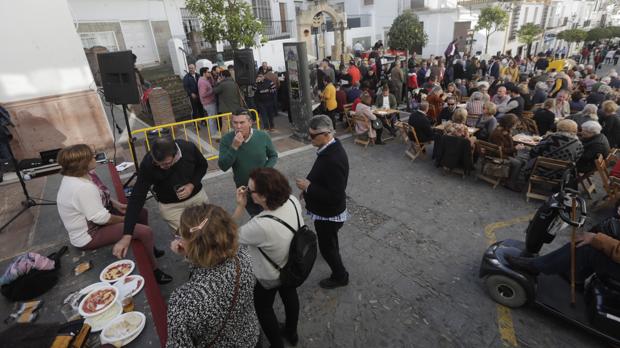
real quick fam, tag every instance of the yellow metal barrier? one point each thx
(182, 127)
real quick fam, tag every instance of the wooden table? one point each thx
(527, 140)
(383, 113)
(440, 127)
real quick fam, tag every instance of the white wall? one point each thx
(440, 30)
(42, 53)
(273, 53)
(117, 10)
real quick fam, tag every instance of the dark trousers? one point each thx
(327, 234)
(587, 261)
(5, 156)
(263, 303)
(197, 110)
(266, 111)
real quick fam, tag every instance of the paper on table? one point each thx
(123, 166)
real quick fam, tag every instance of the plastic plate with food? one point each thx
(117, 270)
(98, 322)
(123, 329)
(97, 301)
(130, 285)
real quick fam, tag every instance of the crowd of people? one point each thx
(234, 267)
(574, 107)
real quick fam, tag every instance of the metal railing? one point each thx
(278, 29)
(190, 131)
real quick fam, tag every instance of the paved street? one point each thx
(413, 249)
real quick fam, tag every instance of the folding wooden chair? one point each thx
(489, 152)
(611, 184)
(359, 137)
(527, 114)
(416, 148)
(540, 176)
(346, 117)
(585, 180)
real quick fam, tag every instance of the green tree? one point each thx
(572, 35)
(491, 20)
(407, 33)
(597, 34)
(528, 33)
(230, 20)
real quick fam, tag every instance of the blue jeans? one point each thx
(266, 113)
(587, 261)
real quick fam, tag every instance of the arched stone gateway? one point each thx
(305, 23)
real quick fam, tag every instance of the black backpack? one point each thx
(301, 255)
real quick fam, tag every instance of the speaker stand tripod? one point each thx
(30, 201)
(132, 147)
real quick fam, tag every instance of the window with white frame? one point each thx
(106, 39)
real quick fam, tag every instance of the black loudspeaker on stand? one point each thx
(118, 79)
(30, 201)
(245, 70)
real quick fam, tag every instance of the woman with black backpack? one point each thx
(269, 235)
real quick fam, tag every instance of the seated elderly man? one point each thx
(516, 103)
(594, 143)
(562, 106)
(589, 113)
(596, 252)
(501, 97)
(421, 123)
(540, 93)
(544, 117)
(562, 145)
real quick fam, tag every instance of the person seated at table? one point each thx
(453, 91)
(610, 121)
(577, 102)
(501, 97)
(447, 112)
(457, 127)
(563, 145)
(540, 93)
(594, 143)
(483, 88)
(516, 103)
(363, 109)
(588, 113)
(421, 123)
(341, 100)
(487, 122)
(435, 102)
(474, 104)
(502, 135)
(544, 117)
(561, 108)
(89, 223)
(387, 101)
(215, 307)
(353, 92)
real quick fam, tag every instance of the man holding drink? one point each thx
(173, 169)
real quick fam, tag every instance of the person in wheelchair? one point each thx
(596, 252)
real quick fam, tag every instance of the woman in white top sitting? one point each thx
(363, 109)
(268, 188)
(89, 223)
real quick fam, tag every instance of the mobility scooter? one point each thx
(597, 306)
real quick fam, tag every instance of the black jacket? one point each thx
(189, 169)
(328, 178)
(545, 120)
(611, 129)
(191, 84)
(422, 126)
(592, 147)
(453, 152)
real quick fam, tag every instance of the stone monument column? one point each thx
(300, 92)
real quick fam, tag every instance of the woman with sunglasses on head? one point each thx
(84, 210)
(215, 307)
(269, 241)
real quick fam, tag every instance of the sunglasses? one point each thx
(314, 135)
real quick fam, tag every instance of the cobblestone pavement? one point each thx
(412, 248)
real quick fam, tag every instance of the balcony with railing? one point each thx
(277, 30)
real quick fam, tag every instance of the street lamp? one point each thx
(323, 27)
